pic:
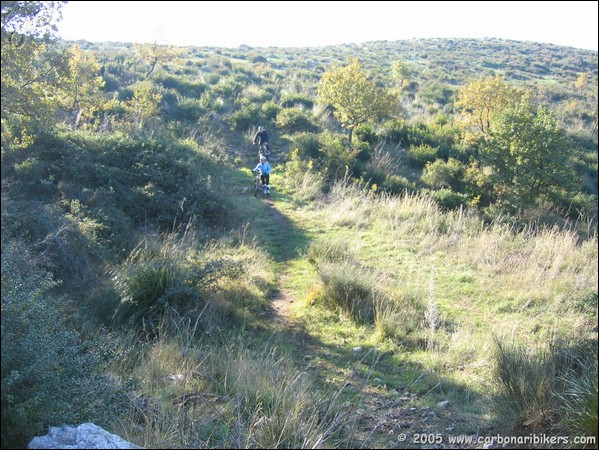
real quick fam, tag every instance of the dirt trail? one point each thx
(281, 299)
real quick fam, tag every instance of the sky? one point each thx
(321, 23)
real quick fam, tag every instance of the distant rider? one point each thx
(261, 138)
(264, 169)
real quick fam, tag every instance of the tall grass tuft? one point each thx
(526, 396)
(553, 386)
(400, 315)
(432, 314)
(346, 284)
(579, 396)
(350, 288)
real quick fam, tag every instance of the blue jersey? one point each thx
(263, 167)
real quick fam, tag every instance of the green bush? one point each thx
(394, 131)
(186, 88)
(294, 120)
(187, 110)
(49, 377)
(269, 111)
(396, 184)
(307, 144)
(421, 154)
(441, 174)
(245, 117)
(365, 133)
(296, 100)
(448, 199)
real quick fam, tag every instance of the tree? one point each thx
(529, 154)
(151, 54)
(402, 73)
(589, 88)
(29, 67)
(80, 83)
(145, 102)
(355, 99)
(484, 97)
(35, 19)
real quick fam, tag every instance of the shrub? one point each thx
(296, 100)
(394, 131)
(396, 184)
(365, 133)
(245, 117)
(421, 154)
(269, 111)
(49, 377)
(441, 174)
(448, 199)
(307, 144)
(294, 120)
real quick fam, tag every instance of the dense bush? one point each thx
(48, 376)
(246, 117)
(444, 174)
(365, 133)
(307, 144)
(297, 100)
(448, 199)
(294, 120)
(422, 154)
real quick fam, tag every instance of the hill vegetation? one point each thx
(426, 268)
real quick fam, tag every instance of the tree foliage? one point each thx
(150, 55)
(80, 83)
(29, 67)
(480, 99)
(530, 155)
(37, 19)
(402, 74)
(355, 99)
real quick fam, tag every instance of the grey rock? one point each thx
(86, 435)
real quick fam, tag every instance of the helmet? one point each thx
(262, 158)
(261, 128)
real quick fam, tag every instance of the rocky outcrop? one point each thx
(86, 435)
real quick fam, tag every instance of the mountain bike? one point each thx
(263, 150)
(257, 182)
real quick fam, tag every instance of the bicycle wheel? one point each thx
(256, 187)
(264, 150)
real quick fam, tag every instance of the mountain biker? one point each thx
(264, 169)
(261, 138)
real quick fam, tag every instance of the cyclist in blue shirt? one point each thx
(265, 170)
